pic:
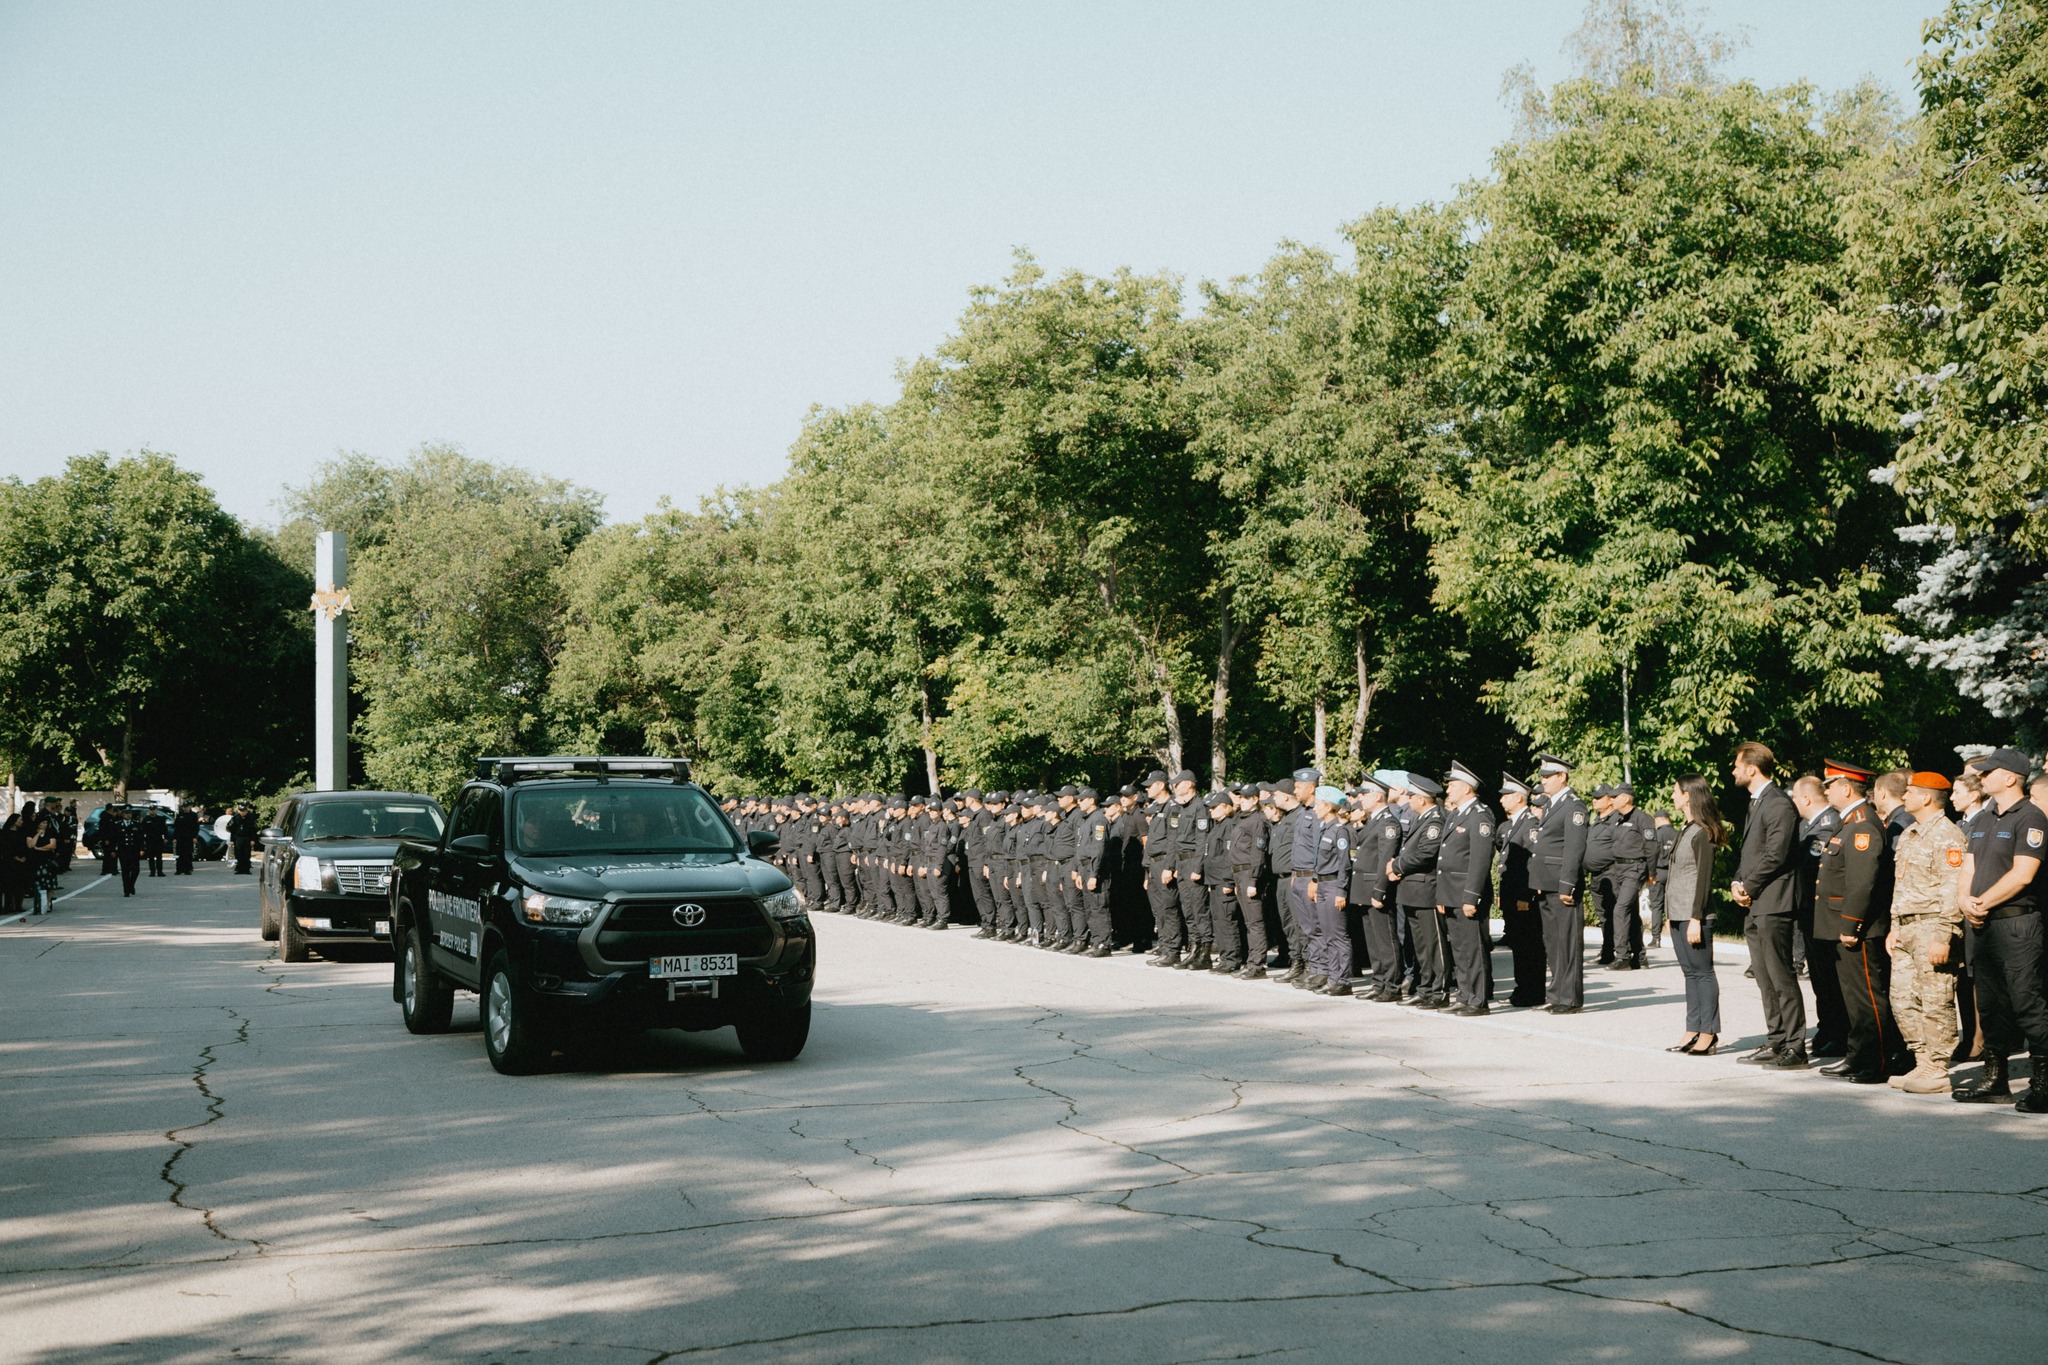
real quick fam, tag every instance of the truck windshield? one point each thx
(554, 822)
(370, 820)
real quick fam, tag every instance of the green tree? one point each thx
(458, 609)
(145, 635)
(1666, 493)
(1953, 250)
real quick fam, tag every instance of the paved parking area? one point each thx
(986, 1153)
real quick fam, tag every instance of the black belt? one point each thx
(2010, 912)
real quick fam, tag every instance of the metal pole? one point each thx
(330, 663)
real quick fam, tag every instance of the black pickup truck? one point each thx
(598, 894)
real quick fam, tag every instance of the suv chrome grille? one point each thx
(362, 878)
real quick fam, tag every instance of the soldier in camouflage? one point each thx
(1927, 927)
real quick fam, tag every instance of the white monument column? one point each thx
(330, 663)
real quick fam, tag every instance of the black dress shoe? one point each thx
(1831, 1048)
(1565, 1009)
(1787, 1061)
(1841, 1068)
(1763, 1056)
(1099, 950)
(1876, 1077)
(1469, 1012)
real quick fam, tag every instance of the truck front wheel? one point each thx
(775, 1035)
(514, 1038)
(426, 998)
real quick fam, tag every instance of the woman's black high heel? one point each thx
(1712, 1041)
(1685, 1046)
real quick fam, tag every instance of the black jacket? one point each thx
(1559, 864)
(1464, 862)
(1768, 868)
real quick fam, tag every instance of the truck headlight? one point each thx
(783, 905)
(545, 909)
(313, 874)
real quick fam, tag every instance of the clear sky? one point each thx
(631, 244)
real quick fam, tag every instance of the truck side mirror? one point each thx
(763, 843)
(476, 845)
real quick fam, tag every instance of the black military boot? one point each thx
(1202, 960)
(2035, 1101)
(1987, 1088)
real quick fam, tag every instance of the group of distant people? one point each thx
(35, 850)
(1919, 932)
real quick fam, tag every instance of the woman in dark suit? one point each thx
(1690, 878)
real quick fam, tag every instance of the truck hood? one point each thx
(633, 875)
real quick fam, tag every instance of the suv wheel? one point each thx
(267, 925)
(425, 997)
(513, 1038)
(775, 1035)
(292, 947)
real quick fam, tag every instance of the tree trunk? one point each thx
(1171, 710)
(127, 768)
(1366, 691)
(1219, 699)
(931, 756)
(1322, 731)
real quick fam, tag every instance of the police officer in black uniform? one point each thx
(1852, 905)
(2002, 915)
(1464, 889)
(1095, 860)
(242, 834)
(1414, 875)
(184, 838)
(1521, 922)
(1558, 876)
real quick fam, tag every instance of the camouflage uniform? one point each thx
(1928, 859)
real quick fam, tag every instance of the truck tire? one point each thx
(774, 1035)
(267, 925)
(292, 939)
(426, 999)
(515, 1039)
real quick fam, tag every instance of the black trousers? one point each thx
(1426, 932)
(1383, 946)
(2005, 963)
(244, 850)
(1471, 951)
(1865, 972)
(1165, 899)
(184, 855)
(983, 892)
(903, 889)
(1194, 903)
(1620, 889)
(1770, 957)
(1830, 1017)
(1523, 932)
(1564, 944)
(131, 868)
(1098, 909)
(1281, 905)
(1251, 908)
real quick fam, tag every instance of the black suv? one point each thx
(326, 874)
(601, 894)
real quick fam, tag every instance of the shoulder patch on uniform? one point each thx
(1201, 824)
(1485, 830)
(1431, 832)
(1955, 857)
(1343, 842)
(2033, 838)
(1862, 841)
(1578, 817)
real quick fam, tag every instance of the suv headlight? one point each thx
(313, 874)
(545, 909)
(783, 905)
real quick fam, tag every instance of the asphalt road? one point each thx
(986, 1153)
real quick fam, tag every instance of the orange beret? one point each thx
(1931, 781)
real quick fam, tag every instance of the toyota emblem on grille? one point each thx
(689, 916)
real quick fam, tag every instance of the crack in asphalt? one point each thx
(215, 1107)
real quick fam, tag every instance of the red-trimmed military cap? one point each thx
(1834, 768)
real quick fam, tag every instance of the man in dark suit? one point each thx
(1767, 886)
(1558, 874)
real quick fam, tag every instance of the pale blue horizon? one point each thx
(632, 244)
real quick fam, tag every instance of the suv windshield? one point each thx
(369, 820)
(556, 822)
